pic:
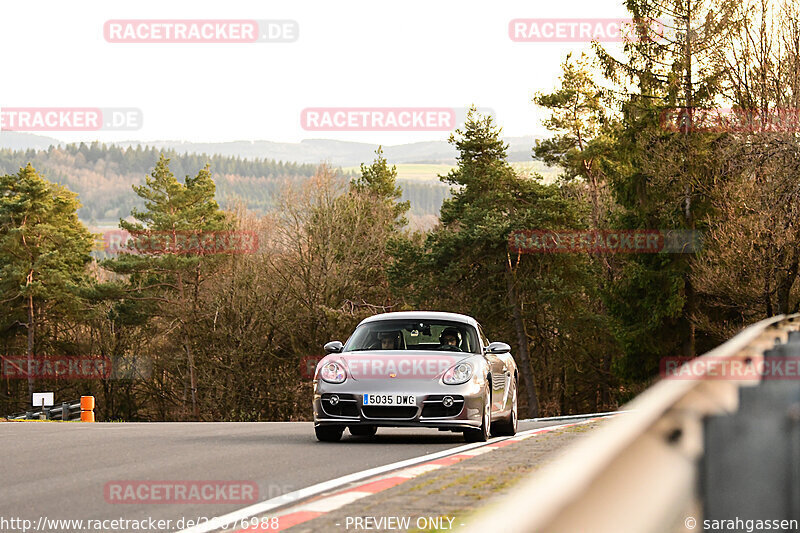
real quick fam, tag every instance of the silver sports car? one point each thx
(416, 369)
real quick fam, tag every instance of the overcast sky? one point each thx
(414, 53)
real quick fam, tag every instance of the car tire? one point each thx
(508, 427)
(482, 433)
(329, 433)
(363, 431)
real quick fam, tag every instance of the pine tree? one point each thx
(44, 251)
(173, 280)
(577, 117)
(661, 177)
(581, 147)
(381, 181)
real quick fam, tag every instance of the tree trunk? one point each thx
(522, 340)
(31, 333)
(687, 321)
(192, 383)
(189, 355)
(767, 297)
(785, 285)
(688, 327)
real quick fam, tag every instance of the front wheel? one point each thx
(482, 433)
(329, 433)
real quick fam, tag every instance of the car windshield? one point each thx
(440, 335)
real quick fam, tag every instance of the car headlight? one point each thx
(332, 372)
(458, 374)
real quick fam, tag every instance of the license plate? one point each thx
(402, 400)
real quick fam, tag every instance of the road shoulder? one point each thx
(444, 498)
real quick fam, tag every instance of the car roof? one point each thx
(421, 315)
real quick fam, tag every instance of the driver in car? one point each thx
(390, 340)
(450, 339)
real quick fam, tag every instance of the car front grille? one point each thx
(380, 411)
(434, 408)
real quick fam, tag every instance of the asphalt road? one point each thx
(60, 470)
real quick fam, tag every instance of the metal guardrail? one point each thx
(67, 411)
(647, 470)
(573, 417)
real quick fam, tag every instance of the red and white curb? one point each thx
(323, 498)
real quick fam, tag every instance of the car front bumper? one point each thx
(430, 411)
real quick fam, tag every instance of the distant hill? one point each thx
(313, 151)
(102, 176)
(13, 140)
(251, 171)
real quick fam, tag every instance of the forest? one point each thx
(102, 176)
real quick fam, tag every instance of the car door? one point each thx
(500, 375)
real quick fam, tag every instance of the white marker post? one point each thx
(42, 399)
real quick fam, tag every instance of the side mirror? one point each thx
(334, 347)
(498, 347)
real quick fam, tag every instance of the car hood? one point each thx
(399, 364)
